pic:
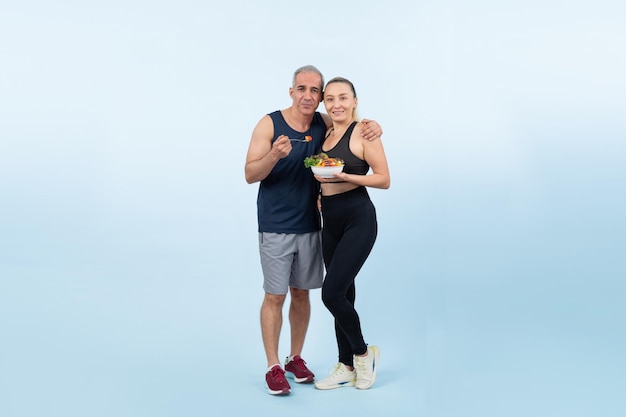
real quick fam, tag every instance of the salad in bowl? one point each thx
(323, 165)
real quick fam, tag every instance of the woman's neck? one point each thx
(339, 128)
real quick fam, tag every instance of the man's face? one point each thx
(307, 92)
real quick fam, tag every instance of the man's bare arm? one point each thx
(262, 153)
(371, 129)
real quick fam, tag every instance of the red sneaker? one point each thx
(298, 370)
(276, 382)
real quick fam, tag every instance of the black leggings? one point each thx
(348, 235)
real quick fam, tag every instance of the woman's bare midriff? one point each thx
(329, 189)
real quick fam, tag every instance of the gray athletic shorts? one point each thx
(291, 260)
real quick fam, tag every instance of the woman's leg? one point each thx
(350, 239)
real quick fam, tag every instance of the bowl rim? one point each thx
(326, 166)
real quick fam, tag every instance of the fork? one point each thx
(306, 139)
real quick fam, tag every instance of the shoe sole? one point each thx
(299, 380)
(281, 392)
(376, 352)
(345, 384)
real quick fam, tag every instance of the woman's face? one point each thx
(339, 101)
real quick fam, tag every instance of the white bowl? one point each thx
(327, 172)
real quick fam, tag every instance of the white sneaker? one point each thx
(341, 376)
(365, 367)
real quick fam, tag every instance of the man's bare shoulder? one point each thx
(327, 120)
(264, 128)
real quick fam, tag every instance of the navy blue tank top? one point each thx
(287, 198)
(352, 163)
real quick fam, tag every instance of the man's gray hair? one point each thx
(308, 69)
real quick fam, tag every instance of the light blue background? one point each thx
(130, 283)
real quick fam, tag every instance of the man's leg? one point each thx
(299, 315)
(271, 323)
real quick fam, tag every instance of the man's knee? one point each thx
(274, 300)
(298, 295)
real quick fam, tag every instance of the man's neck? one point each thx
(297, 120)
